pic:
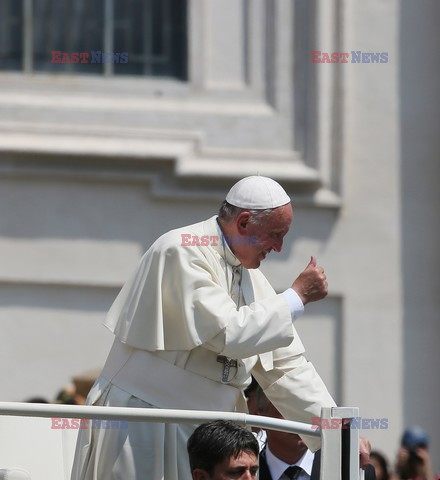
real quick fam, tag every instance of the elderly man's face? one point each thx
(269, 234)
(244, 467)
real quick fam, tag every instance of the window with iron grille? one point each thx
(152, 34)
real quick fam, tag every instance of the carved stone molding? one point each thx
(253, 103)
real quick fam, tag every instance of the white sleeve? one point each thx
(295, 303)
(295, 388)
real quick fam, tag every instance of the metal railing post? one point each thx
(340, 444)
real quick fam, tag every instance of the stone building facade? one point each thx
(94, 168)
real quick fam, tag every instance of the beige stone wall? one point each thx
(92, 170)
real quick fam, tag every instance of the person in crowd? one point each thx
(285, 456)
(36, 400)
(380, 464)
(222, 450)
(413, 459)
(68, 396)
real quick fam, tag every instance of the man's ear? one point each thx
(242, 222)
(199, 474)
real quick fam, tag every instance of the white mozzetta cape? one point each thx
(178, 300)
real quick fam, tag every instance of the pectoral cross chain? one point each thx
(227, 364)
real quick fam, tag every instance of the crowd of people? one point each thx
(73, 393)
(412, 462)
(222, 450)
(280, 450)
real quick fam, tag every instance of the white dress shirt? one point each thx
(277, 467)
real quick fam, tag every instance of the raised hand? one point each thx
(311, 285)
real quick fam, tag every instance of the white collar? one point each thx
(277, 467)
(224, 249)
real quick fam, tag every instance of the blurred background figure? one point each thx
(380, 464)
(413, 460)
(36, 400)
(67, 396)
(83, 382)
(74, 393)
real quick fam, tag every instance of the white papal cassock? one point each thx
(172, 320)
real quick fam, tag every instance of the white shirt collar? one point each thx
(277, 467)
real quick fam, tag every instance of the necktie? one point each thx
(292, 472)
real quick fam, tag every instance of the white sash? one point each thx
(161, 383)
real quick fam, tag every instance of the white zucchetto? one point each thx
(257, 192)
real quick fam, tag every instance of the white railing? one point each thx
(339, 453)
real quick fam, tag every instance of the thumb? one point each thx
(312, 262)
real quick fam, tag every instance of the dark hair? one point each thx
(263, 403)
(252, 387)
(213, 443)
(36, 400)
(228, 212)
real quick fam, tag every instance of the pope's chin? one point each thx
(253, 262)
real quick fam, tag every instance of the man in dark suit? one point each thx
(285, 456)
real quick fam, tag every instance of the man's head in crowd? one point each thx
(288, 447)
(223, 450)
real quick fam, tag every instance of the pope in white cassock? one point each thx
(192, 324)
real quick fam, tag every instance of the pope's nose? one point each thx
(277, 246)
